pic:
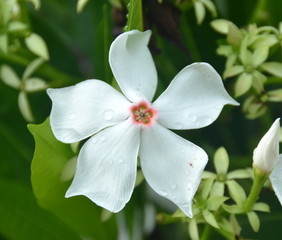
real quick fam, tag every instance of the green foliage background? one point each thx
(35, 207)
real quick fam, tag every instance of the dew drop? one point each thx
(189, 186)
(121, 160)
(72, 116)
(108, 115)
(163, 193)
(173, 186)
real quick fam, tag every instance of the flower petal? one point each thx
(194, 98)
(133, 66)
(84, 109)
(276, 179)
(107, 164)
(171, 165)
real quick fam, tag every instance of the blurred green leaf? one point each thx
(22, 219)
(49, 159)
(254, 220)
(135, 16)
(37, 45)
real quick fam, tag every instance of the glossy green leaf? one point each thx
(21, 218)
(49, 159)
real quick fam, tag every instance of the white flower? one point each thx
(122, 127)
(266, 154)
(267, 158)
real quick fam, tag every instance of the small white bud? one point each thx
(266, 154)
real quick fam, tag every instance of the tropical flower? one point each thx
(267, 159)
(123, 127)
(266, 154)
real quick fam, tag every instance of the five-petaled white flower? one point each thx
(266, 157)
(123, 127)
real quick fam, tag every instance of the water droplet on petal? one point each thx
(163, 193)
(189, 186)
(121, 160)
(173, 186)
(108, 115)
(72, 116)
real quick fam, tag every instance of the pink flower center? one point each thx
(143, 113)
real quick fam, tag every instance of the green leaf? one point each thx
(32, 67)
(274, 68)
(36, 3)
(221, 161)
(49, 159)
(220, 25)
(217, 189)
(238, 174)
(233, 71)
(235, 225)
(275, 95)
(259, 56)
(210, 6)
(233, 209)
(193, 229)
(207, 185)
(16, 26)
(37, 45)
(254, 220)
(24, 107)
(243, 84)
(80, 5)
(4, 43)
(209, 218)
(216, 202)
(34, 84)
(261, 207)
(236, 192)
(234, 35)
(9, 77)
(135, 16)
(199, 11)
(21, 218)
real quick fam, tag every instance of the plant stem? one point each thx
(207, 232)
(259, 180)
(189, 39)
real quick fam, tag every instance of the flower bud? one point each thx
(266, 154)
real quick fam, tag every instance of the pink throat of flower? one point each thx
(143, 113)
